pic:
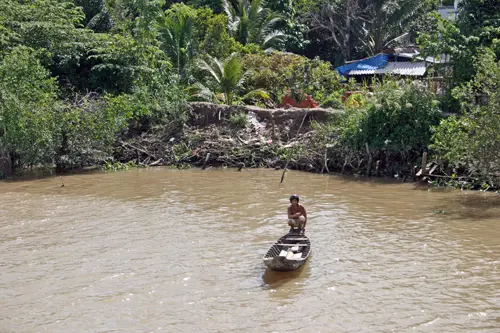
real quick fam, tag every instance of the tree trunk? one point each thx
(347, 40)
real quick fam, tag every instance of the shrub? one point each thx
(27, 108)
(279, 72)
(238, 120)
(397, 119)
(473, 139)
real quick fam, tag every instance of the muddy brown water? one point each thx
(158, 250)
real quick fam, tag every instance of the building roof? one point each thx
(372, 63)
(395, 68)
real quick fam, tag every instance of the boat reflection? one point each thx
(275, 279)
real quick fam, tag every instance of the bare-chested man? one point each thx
(297, 215)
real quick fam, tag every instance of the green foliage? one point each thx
(53, 28)
(43, 24)
(183, 29)
(279, 72)
(217, 41)
(477, 26)
(123, 63)
(97, 16)
(359, 28)
(177, 35)
(87, 130)
(473, 139)
(215, 5)
(257, 97)
(392, 22)
(238, 120)
(333, 101)
(397, 119)
(27, 107)
(224, 76)
(250, 21)
(448, 39)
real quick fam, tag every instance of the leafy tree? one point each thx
(479, 18)
(27, 108)
(43, 24)
(397, 120)
(97, 16)
(123, 63)
(53, 28)
(217, 41)
(215, 5)
(390, 23)
(250, 21)
(280, 72)
(87, 129)
(360, 28)
(177, 33)
(473, 139)
(478, 26)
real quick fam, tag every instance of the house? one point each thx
(404, 62)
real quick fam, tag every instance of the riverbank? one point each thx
(214, 135)
(235, 136)
(252, 137)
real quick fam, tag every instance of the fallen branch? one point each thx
(139, 149)
(206, 160)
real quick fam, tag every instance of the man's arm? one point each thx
(289, 211)
(305, 216)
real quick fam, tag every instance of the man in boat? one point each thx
(297, 215)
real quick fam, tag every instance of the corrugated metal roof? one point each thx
(396, 68)
(372, 63)
(441, 59)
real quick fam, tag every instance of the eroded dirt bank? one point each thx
(237, 136)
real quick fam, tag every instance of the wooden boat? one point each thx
(288, 253)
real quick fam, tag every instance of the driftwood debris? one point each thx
(249, 146)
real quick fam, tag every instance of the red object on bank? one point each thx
(307, 103)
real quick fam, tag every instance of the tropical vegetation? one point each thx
(77, 77)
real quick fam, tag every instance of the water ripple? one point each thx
(169, 251)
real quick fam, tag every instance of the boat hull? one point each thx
(283, 264)
(289, 253)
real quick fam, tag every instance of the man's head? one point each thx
(294, 199)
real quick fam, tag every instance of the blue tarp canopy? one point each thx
(373, 63)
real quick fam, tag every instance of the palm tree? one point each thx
(177, 35)
(97, 17)
(227, 75)
(367, 25)
(251, 22)
(389, 23)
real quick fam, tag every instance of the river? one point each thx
(159, 250)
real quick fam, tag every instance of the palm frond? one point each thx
(397, 39)
(250, 21)
(231, 14)
(212, 67)
(273, 38)
(257, 94)
(199, 92)
(255, 9)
